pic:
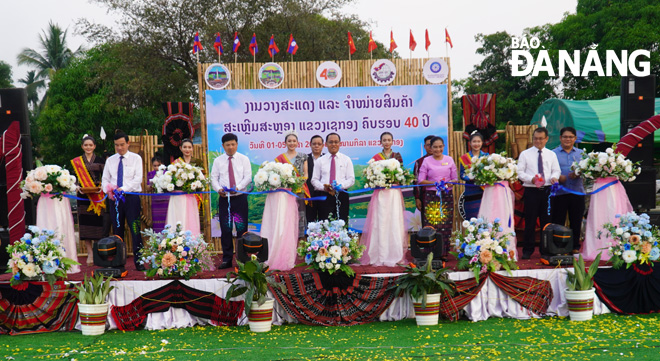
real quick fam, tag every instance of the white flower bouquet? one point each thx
(635, 240)
(386, 173)
(606, 164)
(175, 253)
(274, 175)
(330, 247)
(39, 253)
(484, 247)
(492, 168)
(48, 179)
(180, 176)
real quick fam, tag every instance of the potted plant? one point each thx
(254, 277)
(425, 286)
(580, 290)
(92, 305)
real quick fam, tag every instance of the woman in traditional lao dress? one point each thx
(185, 208)
(384, 231)
(158, 203)
(92, 213)
(472, 195)
(438, 211)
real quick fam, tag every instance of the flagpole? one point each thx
(219, 61)
(235, 56)
(197, 56)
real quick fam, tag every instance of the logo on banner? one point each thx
(383, 72)
(328, 74)
(217, 76)
(436, 71)
(271, 75)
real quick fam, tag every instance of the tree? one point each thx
(32, 87)
(166, 28)
(5, 75)
(101, 89)
(517, 97)
(53, 55)
(606, 25)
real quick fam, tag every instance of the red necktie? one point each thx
(232, 178)
(333, 171)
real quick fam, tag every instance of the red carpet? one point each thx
(533, 263)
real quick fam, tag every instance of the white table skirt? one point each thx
(490, 302)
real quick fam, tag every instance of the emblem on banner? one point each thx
(383, 72)
(271, 75)
(217, 76)
(328, 74)
(436, 70)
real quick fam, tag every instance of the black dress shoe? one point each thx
(224, 265)
(139, 267)
(526, 255)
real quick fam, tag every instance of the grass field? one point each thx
(606, 337)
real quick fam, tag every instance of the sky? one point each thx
(24, 20)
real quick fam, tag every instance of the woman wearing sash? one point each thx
(284, 215)
(185, 208)
(471, 195)
(92, 213)
(384, 231)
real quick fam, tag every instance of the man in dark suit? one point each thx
(316, 144)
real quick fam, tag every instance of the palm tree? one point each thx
(32, 86)
(53, 55)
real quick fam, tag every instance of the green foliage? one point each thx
(5, 75)
(422, 281)
(255, 278)
(582, 279)
(53, 54)
(100, 89)
(94, 290)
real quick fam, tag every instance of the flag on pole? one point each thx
(351, 44)
(412, 44)
(253, 45)
(197, 45)
(237, 42)
(272, 47)
(428, 41)
(448, 39)
(293, 46)
(372, 44)
(392, 43)
(218, 45)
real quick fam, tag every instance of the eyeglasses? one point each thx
(333, 142)
(568, 136)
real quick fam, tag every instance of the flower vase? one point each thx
(580, 304)
(55, 214)
(260, 318)
(92, 318)
(603, 208)
(427, 316)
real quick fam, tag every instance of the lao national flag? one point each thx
(253, 44)
(293, 46)
(237, 42)
(218, 45)
(272, 47)
(197, 45)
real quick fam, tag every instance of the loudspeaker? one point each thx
(13, 107)
(638, 105)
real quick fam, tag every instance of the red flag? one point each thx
(197, 45)
(351, 44)
(448, 39)
(272, 47)
(253, 45)
(428, 41)
(392, 43)
(412, 42)
(218, 44)
(372, 44)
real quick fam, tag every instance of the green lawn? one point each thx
(607, 337)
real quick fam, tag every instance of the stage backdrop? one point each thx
(260, 118)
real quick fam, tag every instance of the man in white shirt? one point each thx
(538, 168)
(231, 170)
(123, 171)
(333, 166)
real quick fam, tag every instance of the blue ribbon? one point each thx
(337, 189)
(119, 196)
(320, 198)
(80, 199)
(557, 187)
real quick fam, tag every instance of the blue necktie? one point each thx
(540, 166)
(120, 172)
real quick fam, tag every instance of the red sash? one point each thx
(379, 156)
(283, 159)
(466, 160)
(85, 180)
